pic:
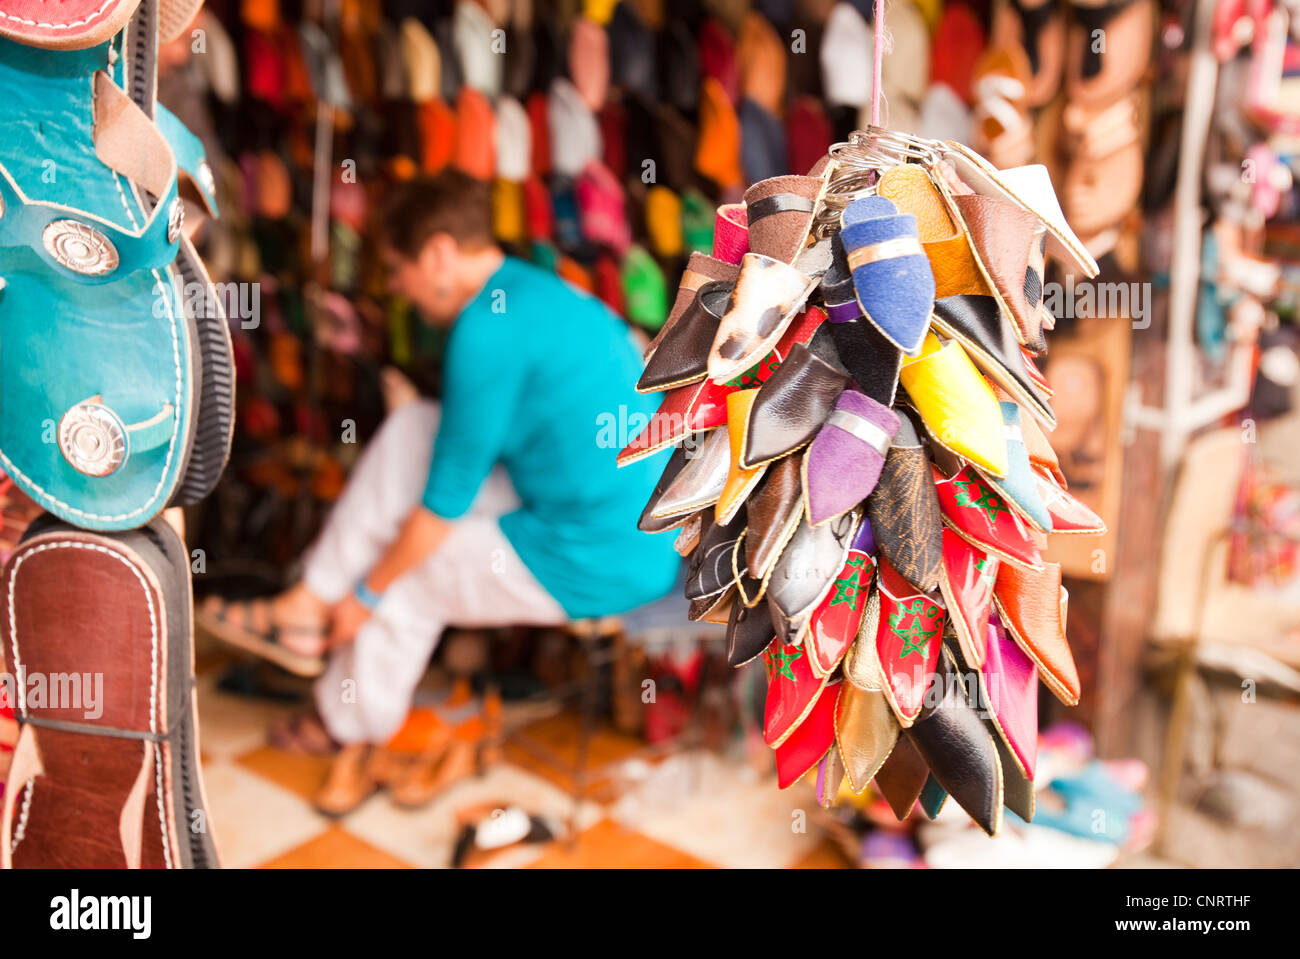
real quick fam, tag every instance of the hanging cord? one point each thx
(876, 92)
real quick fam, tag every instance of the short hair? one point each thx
(450, 202)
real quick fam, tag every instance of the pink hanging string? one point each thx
(876, 92)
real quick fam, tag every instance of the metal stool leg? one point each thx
(586, 719)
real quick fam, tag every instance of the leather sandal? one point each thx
(349, 783)
(470, 750)
(1003, 130)
(138, 428)
(1104, 177)
(1038, 28)
(299, 649)
(1097, 75)
(113, 780)
(302, 734)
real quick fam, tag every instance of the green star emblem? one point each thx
(915, 639)
(847, 589)
(779, 664)
(756, 374)
(988, 571)
(976, 494)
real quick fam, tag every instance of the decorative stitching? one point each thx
(62, 26)
(21, 830)
(153, 639)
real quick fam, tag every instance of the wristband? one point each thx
(366, 596)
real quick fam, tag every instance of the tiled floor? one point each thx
(690, 811)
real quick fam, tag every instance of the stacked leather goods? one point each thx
(861, 477)
(117, 381)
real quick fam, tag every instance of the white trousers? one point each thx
(474, 579)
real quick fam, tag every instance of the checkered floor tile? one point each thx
(690, 811)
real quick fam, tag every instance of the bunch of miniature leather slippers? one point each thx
(861, 476)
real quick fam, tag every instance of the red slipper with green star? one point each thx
(792, 690)
(810, 742)
(835, 623)
(909, 636)
(969, 575)
(978, 514)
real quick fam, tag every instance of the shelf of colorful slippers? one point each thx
(861, 478)
(117, 379)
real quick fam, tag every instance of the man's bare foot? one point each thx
(298, 606)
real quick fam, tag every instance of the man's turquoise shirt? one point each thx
(538, 376)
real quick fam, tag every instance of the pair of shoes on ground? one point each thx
(435, 750)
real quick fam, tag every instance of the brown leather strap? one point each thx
(89, 729)
(128, 142)
(778, 203)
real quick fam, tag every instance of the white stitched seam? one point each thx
(153, 639)
(60, 26)
(21, 829)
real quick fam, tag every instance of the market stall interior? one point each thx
(958, 328)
